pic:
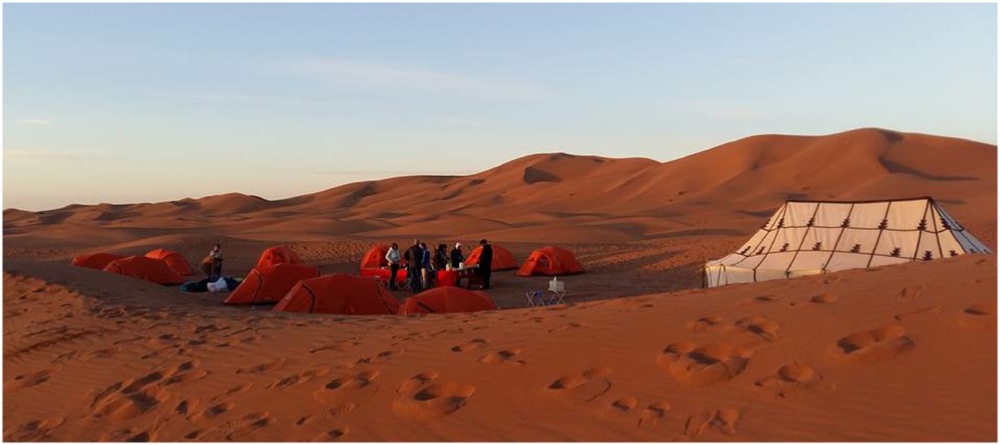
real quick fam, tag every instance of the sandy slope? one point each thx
(899, 353)
(896, 353)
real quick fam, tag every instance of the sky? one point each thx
(130, 103)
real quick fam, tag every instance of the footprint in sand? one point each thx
(334, 434)
(27, 380)
(581, 387)
(918, 314)
(704, 323)
(234, 430)
(186, 407)
(423, 397)
(978, 316)
(133, 397)
(882, 343)
(620, 408)
(823, 299)
(721, 420)
(475, 343)
(350, 388)
(232, 392)
(212, 411)
(794, 379)
(693, 365)
(766, 329)
(298, 379)
(381, 357)
(910, 293)
(506, 356)
(573, 325)
(651, 416)
(761, 300)
(36, 430)
(341, 346)
(336, 411)
(263, 367)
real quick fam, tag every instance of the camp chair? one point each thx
(535, 298)
(558, 291)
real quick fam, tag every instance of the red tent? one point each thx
(143, 268)
(502, 259)
(95, 260)
(375, 258)
(339, 294)
(176, 261)
(270, 283)
(444, 300)
(550, 261)
(276, 255)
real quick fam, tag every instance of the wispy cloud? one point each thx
(461, 121)
(209, 96)
(257, 99)
(32, 122)
(387, 173)
(724, 111)
(53, 155)
(354, 74)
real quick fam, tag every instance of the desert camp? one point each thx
(483, 223)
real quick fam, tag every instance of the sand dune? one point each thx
(755, 174)
(640, 352)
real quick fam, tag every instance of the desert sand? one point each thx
(639, 352)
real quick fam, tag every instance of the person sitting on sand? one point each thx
(392, 256)
(414, 256)
(211, 265)
(456, 256)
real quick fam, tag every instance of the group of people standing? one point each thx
(422, 264)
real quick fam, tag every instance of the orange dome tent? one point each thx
(550, 261)
(339, 294)
(270, 283)
(502, 259)
(176, 261)
(375, 258)
(143, 268)
(445, 300)
(276, 255)
(95, 260)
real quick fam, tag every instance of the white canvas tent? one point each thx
(809, 237)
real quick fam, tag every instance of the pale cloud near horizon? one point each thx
(52, 155)
(32, 122)
(355, 74)
(251, 98)
(461, 121)
(724, 111)
(393, 173)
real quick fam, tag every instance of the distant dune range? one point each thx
(899, 353)
(587, 198)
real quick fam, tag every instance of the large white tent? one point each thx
(810, 237)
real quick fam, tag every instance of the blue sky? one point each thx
(149, 102)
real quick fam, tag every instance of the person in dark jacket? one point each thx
(425, 266)
(440, 259)
(486, 262)
(456, 255)
(414, 257)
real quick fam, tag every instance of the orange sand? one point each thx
(895, 353)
